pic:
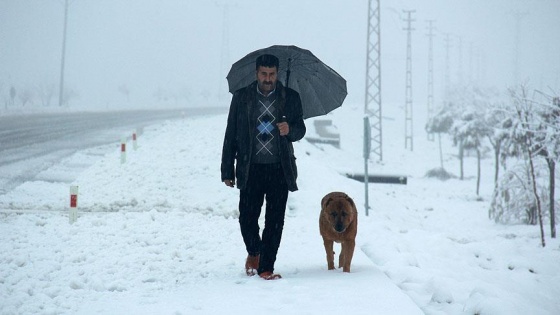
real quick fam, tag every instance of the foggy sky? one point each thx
(184, 48)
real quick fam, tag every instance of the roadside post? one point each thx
(367, 148)
(123, 150)
(73, 216)
(134, 143)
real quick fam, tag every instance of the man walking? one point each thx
(264, 119)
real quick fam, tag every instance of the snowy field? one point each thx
(159, 235)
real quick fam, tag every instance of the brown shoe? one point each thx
(251, 265)
(267, 275)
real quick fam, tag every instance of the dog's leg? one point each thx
(330, 253)
(341, 257)
(348, 252)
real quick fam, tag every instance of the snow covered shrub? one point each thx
(439, 173)
(513, 200)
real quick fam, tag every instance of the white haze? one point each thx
(185, 48)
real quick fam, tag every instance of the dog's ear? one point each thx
(350, 201)
(326, 202)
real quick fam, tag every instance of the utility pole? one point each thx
(460, 75)
(373, 78)
(408, 124)
(224, 54)
(447, 67)
(430, 74)
(518, 18)
(471, 64)
(61, 85)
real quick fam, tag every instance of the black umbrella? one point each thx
(321, 89)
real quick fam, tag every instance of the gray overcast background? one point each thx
(178, 53)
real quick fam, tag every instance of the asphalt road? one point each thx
(32, 144)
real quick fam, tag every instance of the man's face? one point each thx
(266, 78)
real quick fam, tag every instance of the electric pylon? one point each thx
(430, 112)
(373, 78)
(460, 73)
(408, 124)
(447, 67)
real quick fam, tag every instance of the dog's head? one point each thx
(339, 211)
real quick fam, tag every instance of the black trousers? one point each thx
(266, 181)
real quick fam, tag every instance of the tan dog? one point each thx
(339, 223)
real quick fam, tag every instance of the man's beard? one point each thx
(267, 85)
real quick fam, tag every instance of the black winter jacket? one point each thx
(241, 133)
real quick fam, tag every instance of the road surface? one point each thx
(31, 144)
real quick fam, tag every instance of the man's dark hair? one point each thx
(268, 61)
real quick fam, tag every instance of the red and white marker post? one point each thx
(134, 143)
(73, 216)
(123, 150)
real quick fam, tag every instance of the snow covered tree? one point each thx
(468, 103)
(547, 145)
(461, 99)
(513, 200)
(525, 134)
(469, 131)
(499, 122)
(440, 123)
(531, 129)
(553, 155)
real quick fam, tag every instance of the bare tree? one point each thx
(5, 100)
(13, 95)
(69, 94)
(125, 91)
(46, 93)
(161, 94)
(205, 94)
(26, 96)
(185, 94)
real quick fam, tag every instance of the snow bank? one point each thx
(159, 234)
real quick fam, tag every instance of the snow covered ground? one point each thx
(159, 235)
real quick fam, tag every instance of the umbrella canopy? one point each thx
(321, 89)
